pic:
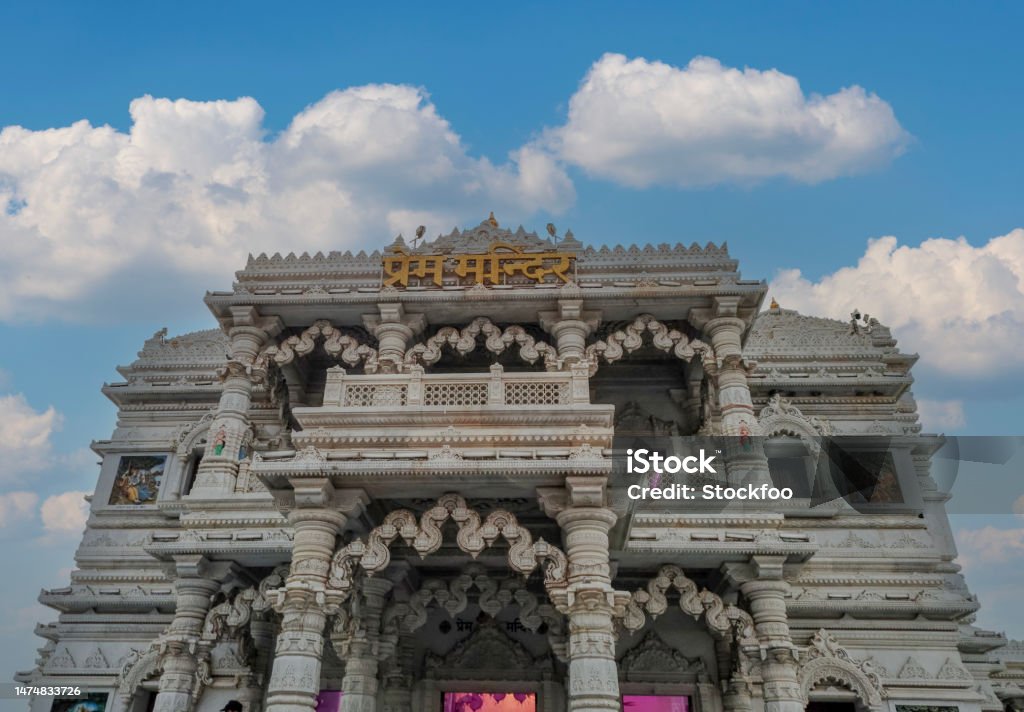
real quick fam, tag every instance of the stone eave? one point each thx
(944, 610)
(597, 297)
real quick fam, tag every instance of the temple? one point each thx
(387, 482)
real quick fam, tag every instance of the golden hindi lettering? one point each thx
(502, 260)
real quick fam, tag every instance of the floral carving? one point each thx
(629, 339)
(496, 341)
(424, 535)
(723, 619)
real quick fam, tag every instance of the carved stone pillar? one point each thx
(592, 604)
(394, 330)
(766, 593)
(359, 646)
(198, 580)
(318, 516)
(734, 400)
(219, 467)
(737, 696)
(570, 326)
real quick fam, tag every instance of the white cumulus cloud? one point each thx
(65, 513)
(960, 306)
(641, 122)
(990, 545)
(24, 436)
(941, 415)
(16, 507)
(93, 218)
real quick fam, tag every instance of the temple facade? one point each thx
(388, 482)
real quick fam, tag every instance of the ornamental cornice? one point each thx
(864, 521)
(372, 295)
(864, 609)
(435, 470)
(717, 520)
(700, 548)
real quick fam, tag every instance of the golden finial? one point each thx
(492, 220)
(775, 304)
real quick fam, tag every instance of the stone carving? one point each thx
(952, 670)
(913, 670)
(828, 663)
(425, 537)
(96, 660)
(654, 658)
(496, 341)
(619, 343)
(488, 653)
(494, 596)
(136, 667)
(724, 620)
(781, 417)
(227, 619)
(337, 344)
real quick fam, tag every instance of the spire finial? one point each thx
(492, 220)
(774, 305)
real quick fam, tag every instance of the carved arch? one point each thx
(230, 617)
(828, 663)
(425, 536)
(781, 417)
(624, 341)
(823, 671)
(724, 620)
(136, 668)
(337, 344)
(496, 341)
(493, 596)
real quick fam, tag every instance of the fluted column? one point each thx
(318, 516)
(394, 330)
(766, 596)
(359, 647)
(592, 603)
(570, 326)
(197, 581)
(219, 467)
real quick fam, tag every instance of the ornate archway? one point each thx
(624, 341)
(337, 344)
(828, 663)
(724, 620)
(425, 537)
(464, 341)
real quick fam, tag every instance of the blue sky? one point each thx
(936, 154)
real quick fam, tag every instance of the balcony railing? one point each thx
(417, 388)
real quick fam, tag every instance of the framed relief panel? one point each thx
(137, 480)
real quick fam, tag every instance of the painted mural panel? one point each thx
(138, 479)
(93, 702)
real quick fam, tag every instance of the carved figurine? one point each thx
(219, 441)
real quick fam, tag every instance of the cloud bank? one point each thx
(172, 206)
(960, 306)
(642, 123)
(25, 437)
(87, 212)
